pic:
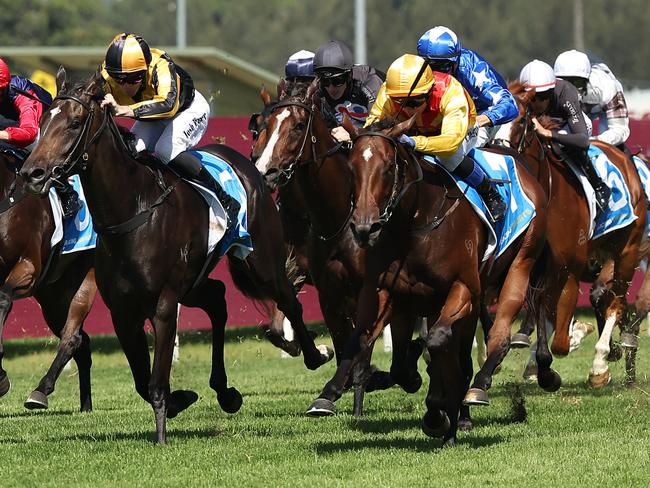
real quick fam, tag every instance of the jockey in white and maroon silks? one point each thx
(347, 88)
(601, 95)
(560, 100)
(22, 102)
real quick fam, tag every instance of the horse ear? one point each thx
(311, 90)
(403, 127)
(282, 88)
(350, 127)
(265, 96)
(60, 79)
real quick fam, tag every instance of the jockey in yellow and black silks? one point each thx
(446, 126)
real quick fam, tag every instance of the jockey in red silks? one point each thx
(22, 102)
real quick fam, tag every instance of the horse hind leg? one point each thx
(210, 297)
(276, 335)
(5, 307)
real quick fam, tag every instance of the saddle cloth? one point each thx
(76, 232)
(644, 175)
(520, 208)
(619, 212)
(237, 235)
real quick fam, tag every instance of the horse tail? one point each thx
(242, 279)
(296, 276)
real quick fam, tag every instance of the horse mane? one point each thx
(382, 124)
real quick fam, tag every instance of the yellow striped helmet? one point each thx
(402, 73)
(127, 54)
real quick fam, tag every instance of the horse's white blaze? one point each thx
(53, 113)
(367, 154)
(602, 346)
(264, 160)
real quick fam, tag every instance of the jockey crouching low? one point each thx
(494, 104)
(171, 116)
(560, 100)
(21, 105)
(442, 129)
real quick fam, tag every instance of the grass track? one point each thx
(575, 437)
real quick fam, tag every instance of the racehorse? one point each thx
(152, 248)
(608, 261)
(297, 155)
(63, 285)
(424, 247)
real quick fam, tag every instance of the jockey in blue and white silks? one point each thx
(494, 103)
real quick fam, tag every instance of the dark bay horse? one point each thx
(298, 156)
(608, 261)
(424, 247)
(63, 285)
(151, 254)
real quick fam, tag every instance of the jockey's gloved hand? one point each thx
(406, 140)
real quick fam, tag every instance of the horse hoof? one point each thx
(476, 396)
(379, 380)
(321, 407)
(5, 385)
(230, 401)
(530, 373)
(549, 381)
(451, 442)
(520, 341)
(629, 341)
(615, 353)
(36, 401)
(413, 384)
(599, 380)
(179, 400)
(465, 425)
(435, 427)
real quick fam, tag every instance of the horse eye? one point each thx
(299, 127)
(75, 124)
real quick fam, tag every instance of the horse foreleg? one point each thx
(406, 352)
(69, 306)
(18, 284)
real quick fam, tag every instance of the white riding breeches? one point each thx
(169, 137)
(451, 162)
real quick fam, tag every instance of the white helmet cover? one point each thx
(572, 64)
(538, 76)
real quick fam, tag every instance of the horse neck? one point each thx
(325, 183)
(114, 183)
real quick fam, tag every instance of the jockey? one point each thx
(22, 103)
(559, 99)
(601, 93)
(347, 88)
(495, 105)
(442, 128)
(299, 71)
(145, 84)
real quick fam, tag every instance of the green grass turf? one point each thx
(575, 437)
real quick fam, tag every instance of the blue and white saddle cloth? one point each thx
(644, 175)
(619, 212)
(76, 232)
(237, 235)
(520, 208)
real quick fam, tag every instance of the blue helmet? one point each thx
(439, 43)
(300, 65)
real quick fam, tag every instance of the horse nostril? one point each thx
(374, 228)
(36, 174)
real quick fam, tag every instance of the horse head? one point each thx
(379, 165)
(286, 138)
(69, 128)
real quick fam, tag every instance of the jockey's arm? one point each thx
(27, 130)
(618, 131)
(457, 118)
(381, 109)
(579, 133)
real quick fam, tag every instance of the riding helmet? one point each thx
(439, 43)
(572, 64)
(5, 75)
(402, 73)
(537, 75)
(127, 54)
(332, 59)
(300, 65)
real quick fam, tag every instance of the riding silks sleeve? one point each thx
(29, 111)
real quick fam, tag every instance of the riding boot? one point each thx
(601, 190)
(474, 176)
(230, 205)
(69, 199)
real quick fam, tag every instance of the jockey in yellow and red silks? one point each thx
(446, 126)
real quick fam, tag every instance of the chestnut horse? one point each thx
(297, 155)
(424, 248)
(63, 285)
(608, 261)
(152, 250)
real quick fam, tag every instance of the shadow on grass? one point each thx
(411, 445)
(38, 413)
(107, 344)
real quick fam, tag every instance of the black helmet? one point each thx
(332, 59)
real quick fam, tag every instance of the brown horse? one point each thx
(298, 156)
(424, 247)
(64, 285)
(152, 250)
(608, 262)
